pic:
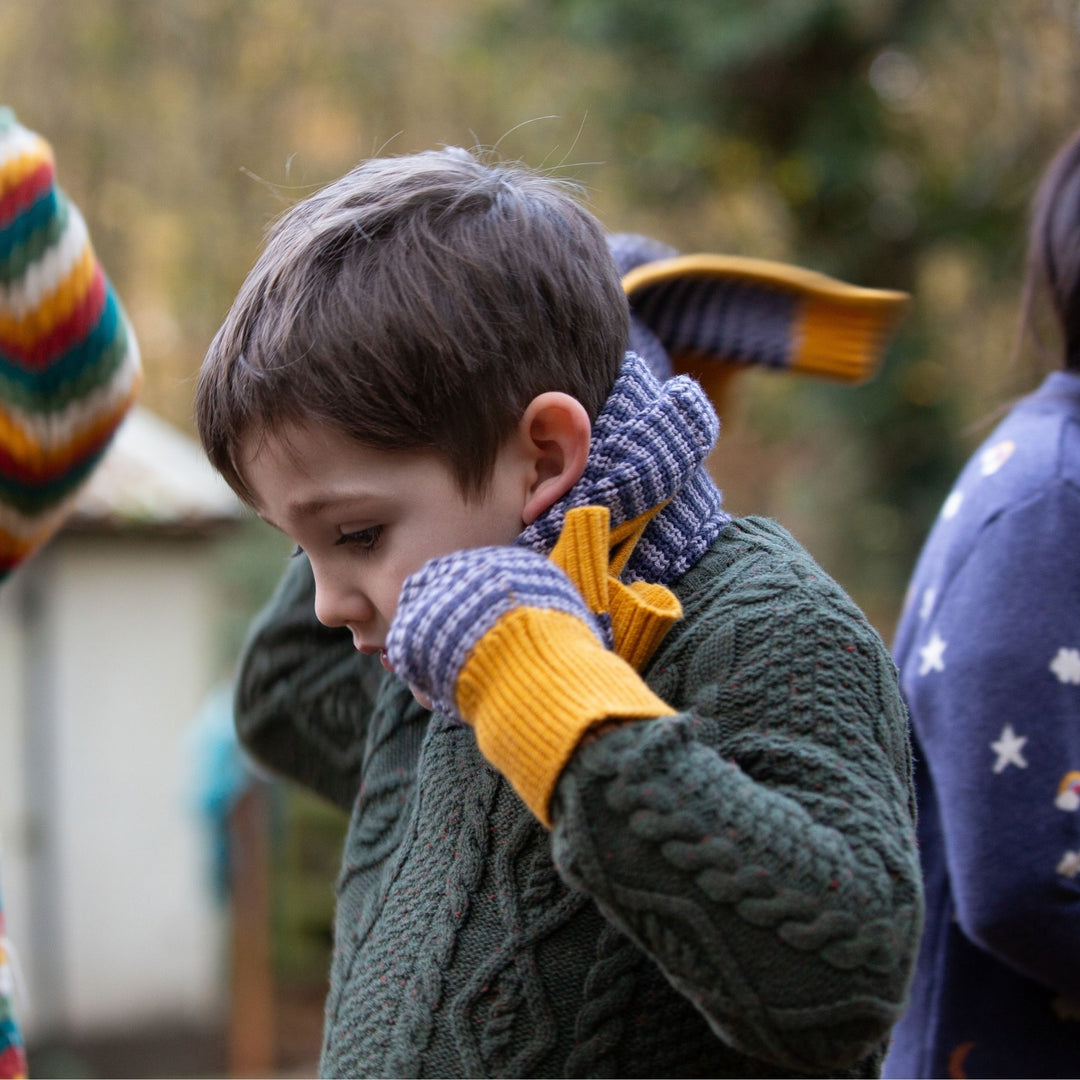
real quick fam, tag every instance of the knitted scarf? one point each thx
(648, 448)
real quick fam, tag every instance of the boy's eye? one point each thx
(364, 540)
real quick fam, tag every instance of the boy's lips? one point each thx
(371, 650)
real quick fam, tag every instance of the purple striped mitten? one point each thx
(502, 638)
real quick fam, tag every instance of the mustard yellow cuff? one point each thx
(533, 687)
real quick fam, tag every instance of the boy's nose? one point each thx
(339, 603)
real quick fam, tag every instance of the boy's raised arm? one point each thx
(760, 844)
(304, 694)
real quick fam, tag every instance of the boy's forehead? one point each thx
(314, 463)
(303, 445)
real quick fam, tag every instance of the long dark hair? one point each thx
(1053, 258)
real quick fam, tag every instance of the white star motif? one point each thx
(995, 456)
(1008, 749)
(1066, 665)
(931, 655)
(928, 598)
(951, 506)
(1070, 864)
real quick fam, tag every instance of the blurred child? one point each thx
(989, 651)
(69, 370)
(629, 778)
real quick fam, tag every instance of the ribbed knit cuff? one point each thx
(641, 615)
(844, 336)
(533, 686)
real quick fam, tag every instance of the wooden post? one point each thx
(252, 1042)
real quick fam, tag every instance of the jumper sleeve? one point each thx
(304, 695)
(993, 678)
(759, 845)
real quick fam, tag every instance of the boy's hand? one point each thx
(448, 605)
(501, 638)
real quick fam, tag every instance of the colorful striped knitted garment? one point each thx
(69, 370)
(712, 316)
(69, 363)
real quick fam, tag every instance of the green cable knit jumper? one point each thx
(732, 891)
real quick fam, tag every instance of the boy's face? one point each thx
(368, 518)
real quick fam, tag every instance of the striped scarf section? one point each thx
(649, 445)
(69, 362)
(739, 312)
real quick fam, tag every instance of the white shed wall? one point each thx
(107, 890)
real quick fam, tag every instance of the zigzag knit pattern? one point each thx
(69, 364)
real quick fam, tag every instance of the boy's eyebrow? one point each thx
(311, 507)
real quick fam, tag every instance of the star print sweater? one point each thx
(989, 651)
(730, 890)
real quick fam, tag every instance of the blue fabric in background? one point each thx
(222, 774)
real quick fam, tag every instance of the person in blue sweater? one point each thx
(989, 652)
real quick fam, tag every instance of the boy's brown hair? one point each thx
(419, 302)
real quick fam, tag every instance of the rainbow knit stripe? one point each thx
(69, 363)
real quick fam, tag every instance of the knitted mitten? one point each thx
(501, 638)
(69, 364)
(711, 316)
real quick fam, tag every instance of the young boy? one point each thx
(629, 779)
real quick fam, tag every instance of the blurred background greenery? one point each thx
(893, 143)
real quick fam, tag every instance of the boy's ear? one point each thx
(554, 433)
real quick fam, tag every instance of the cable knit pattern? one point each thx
(774, 867)
(745, 897)
(609, 990)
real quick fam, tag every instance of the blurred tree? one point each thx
(891, 142)
(822, 132)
